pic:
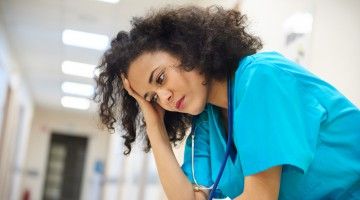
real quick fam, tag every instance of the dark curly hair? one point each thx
(210, 39)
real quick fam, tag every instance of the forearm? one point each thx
(254, 196)
(175, 183)
(263, 186)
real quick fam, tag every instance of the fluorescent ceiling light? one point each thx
(79, 69)
(85, 39)
(78, 88)
(110, 1)
(75, 102)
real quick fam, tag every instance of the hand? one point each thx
(153, 113)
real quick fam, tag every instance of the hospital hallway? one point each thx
(52, 144)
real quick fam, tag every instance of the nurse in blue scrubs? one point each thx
(293, 135)
(283, 116)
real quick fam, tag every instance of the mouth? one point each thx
(180, 103)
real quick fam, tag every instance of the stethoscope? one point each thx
(228, 145)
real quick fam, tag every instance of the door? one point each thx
(65, 167)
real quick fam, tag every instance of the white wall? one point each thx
(335, 47)
(47, 121)
(332, 49)
(17, 119)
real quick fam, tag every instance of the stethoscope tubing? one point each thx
(228, 145)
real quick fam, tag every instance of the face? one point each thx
(157, 77)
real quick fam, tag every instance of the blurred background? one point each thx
(50, 144)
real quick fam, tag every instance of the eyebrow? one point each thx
(150, 80)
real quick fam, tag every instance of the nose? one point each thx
(164, 95)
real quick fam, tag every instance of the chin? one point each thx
(197, 110)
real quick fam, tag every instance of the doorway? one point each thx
(65, 167)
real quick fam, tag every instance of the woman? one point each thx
(293, 136)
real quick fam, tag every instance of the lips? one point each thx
(179, 103)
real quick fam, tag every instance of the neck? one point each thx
(218, 94)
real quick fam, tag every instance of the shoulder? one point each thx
(264, 66)
(263, 60)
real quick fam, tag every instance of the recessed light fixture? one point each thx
(79, 69)
(78, 88)
(85, 39)
(75, 102)
(110, 1)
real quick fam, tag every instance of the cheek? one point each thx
(197, 99)
(167, 108)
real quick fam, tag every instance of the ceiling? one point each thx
(34, 31)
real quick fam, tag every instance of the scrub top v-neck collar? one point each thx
(217, 121)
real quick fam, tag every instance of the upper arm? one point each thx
(275, 121)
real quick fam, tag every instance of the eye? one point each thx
(154, 99)
(160, 81)
(161, 78)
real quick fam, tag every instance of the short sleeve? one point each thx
(202, 164)
(274, 123)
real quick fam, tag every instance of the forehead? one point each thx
(141, 68)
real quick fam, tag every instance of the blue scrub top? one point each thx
(283, 115)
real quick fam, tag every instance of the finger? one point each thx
(123, 81)
(126, 85)
(128, 88)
